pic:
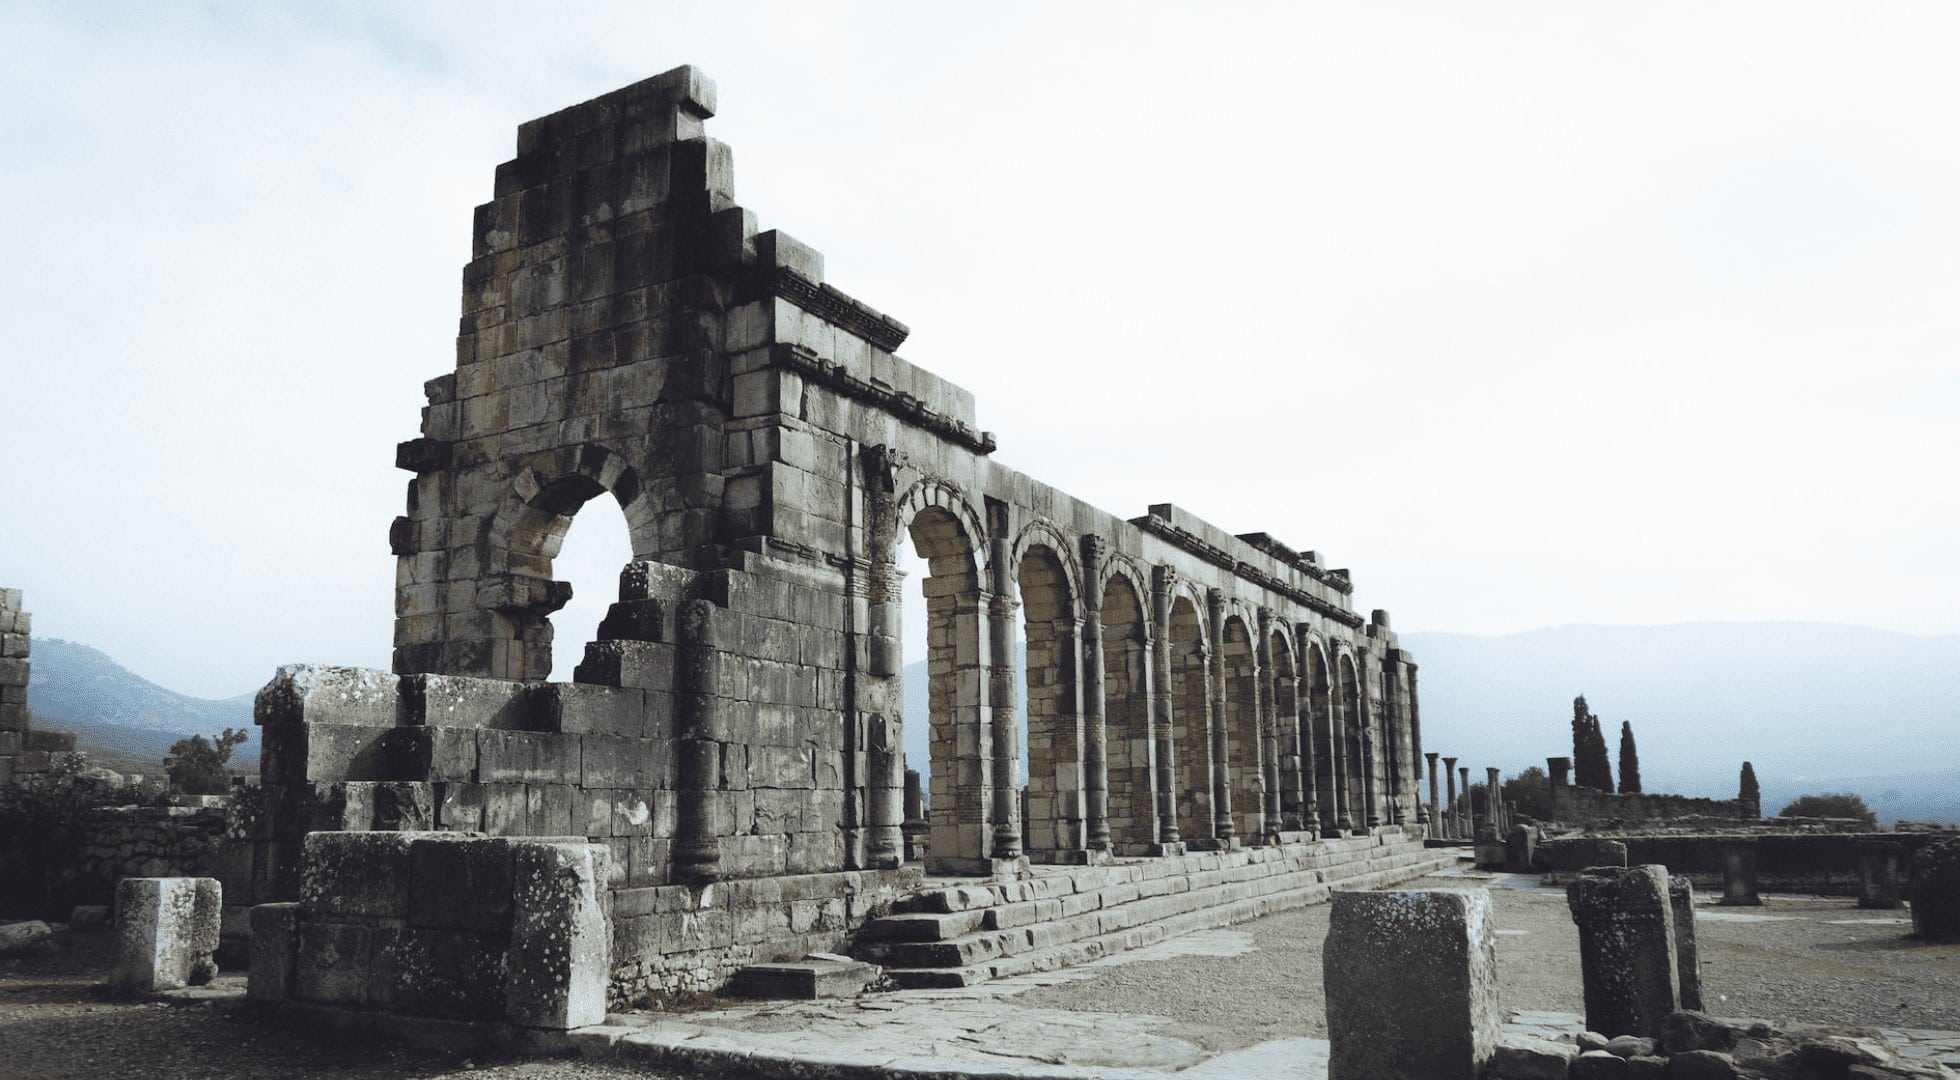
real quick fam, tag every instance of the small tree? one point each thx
(197, 767)
(1629, 760)
(1830, 806)
(1749, 792)
(1530, 794)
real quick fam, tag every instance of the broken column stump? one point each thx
(1739, 874)
(1626, 948)
(1935, 891)
(1411, 981)
(166, 932)
(1681, 897)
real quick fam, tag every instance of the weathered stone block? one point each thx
(438, 973)
(1626, 948)
(319, 752)
(527, 757)
(1598, 1065)
(1531, 1059)
(1935, 891)
(561, 945)
(1687, 956)
(166, 932)
(311, 693)
(335, 962)
(460, 883)
(275, 952)
(457, 701)
(356, 873)
(1739, 874)
(1411, 980)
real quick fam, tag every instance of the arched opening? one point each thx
(1054, 819)
(1239, 668)
(959, 774)
(1355, 772)
(1132, 755)
(1293, 749)
(1191, 722)
(1326, 743)
(592, 550)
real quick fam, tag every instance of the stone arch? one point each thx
(1289, 718)
(1050, 604)
(947, 533)
(1131, 750)
(526, 534)
(1355, 772)
(1326, 736)
(1191, 720)
(1238, 735)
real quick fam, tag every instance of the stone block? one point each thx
(1687, 956)
(356, 874)
(1739, 874)
(1530, 1059)
(404, 807)
(641, 665)
(335, 962)
(275, 952)
(433, 754)
(459, 807)
(1626, 948)
(457, 701)
(166, 932)
(803, 980)
(21, 938)
(561, 944)
(319, 752)
(438, 973)
(527, 757)
(582, 708)
(1598, 1065)
(1880, 876)
(1411, 981)
(459, 883)
(311, 693)
(1701, 1065)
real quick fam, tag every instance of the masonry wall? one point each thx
(15, 757)
(1574, 805)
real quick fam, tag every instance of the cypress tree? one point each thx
(1581, 742)
(1749, 792)
(1629, 760)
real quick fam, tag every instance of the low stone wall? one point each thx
(673, 940)
(153, 842)
(1573, 805)
(1824, 864)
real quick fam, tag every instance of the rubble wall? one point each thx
(1576, 805)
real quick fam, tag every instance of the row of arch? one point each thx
(1158, 712)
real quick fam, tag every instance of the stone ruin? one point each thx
(23, 750)
(732, 741)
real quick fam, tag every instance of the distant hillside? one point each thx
(1817, 707)
(73, 687)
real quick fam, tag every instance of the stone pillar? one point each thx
(1309, 754)
(1880, 882)
(1411, 985)
(560, 956)
(1739, 874)
(1095, 733)
(1464, 815)
(1337, 733)
(1371, 777)
(1163, 583)
(1681, 899)
(885, 793)
(1626, 948)
(914, 827)
(1434, 816)
(1224, 824)
(1423, 817)
(166, 932)
(1452, 826)
(1495, 796)
(697, 751)
(1002, 710)
(1269, 722)
(1520, 849)
(14, 646)
(1560, 770)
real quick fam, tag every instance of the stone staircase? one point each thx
(973, 931)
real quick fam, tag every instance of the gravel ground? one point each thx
(1795, 959)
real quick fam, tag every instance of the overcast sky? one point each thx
(1529, 314)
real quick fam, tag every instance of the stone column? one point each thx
(1223, 824)
(1626, 948)
(1337, 733)
(1163, 583)
(1495, 799)
(1687, 959)
(1423, 816)
(1465, 815)
(1560, 770)
(914, 827)
(1370, 749)
(1452, 825)
(1411, 985)
(1434, 817)
(1739, 874)
(1309, 754)
(885, 794)
(1095, 732)
(1269, 721)
(1002, 711)
(698, 791)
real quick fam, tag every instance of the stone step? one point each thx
(996, 935)
(1083, 950)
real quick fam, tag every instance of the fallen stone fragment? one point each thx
(1530, 1059)
(1598, 1065)
(17, 939)
(1701, 1065)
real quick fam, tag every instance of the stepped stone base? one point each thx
(973, 931)
(804, 980)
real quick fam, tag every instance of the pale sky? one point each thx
(1528, 314)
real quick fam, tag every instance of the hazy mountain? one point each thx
(73, 687)
(1817, 707)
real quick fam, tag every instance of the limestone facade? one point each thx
(629, 331)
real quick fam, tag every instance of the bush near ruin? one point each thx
(41, 832)
(197, 767)
(1830, 806)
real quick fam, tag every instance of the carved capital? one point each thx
(881, 467)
